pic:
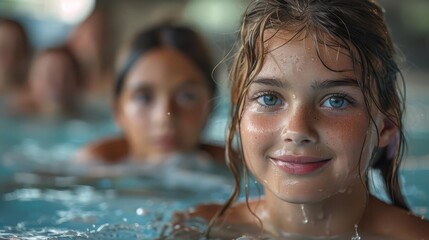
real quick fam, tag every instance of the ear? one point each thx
(388, 132)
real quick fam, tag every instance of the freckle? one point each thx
(297, 59)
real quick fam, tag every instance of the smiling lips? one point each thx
(299, 165)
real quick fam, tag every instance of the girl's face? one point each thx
(305, 128)
(164, 104)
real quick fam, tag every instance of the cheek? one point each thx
(347, 137)
(134, 116)
(258, 133)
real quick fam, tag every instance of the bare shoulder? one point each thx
(108, 150)
(217, 152)
(391, 221)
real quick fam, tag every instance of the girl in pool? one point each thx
(54, 86)
(162, 98)
(316, 104)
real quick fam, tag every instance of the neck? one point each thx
(336, 215)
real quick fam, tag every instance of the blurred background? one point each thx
(96, 31)
(54, 22)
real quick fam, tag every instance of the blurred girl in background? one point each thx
(54, 86)
(162, 99)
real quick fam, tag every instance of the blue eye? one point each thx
(337, 102)
(269, 100)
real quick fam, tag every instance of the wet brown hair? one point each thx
(356, 26)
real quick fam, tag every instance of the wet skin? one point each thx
(307, 137)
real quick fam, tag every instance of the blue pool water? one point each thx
(43, 196)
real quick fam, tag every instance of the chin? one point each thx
(302, 193)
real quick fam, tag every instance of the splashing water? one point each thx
(356, 236)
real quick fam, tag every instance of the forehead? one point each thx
(290, 48)
(9, 31)
(53, 58)
(163, 66)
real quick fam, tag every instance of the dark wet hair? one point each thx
(358, 27)
(181, 38)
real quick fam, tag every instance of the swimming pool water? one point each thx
(43, 196)
(129, 202)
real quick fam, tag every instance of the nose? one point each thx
(164, 114)
(299, 127)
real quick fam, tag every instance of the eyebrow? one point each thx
(329, 83)
(139, 86)
(271, 82)
(144, 85)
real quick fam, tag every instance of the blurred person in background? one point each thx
(54, 86)
(162, 99)
(90, 42)
(14, 56)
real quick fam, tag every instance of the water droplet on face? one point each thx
(342, 190)
(313, 59)
(356, 236)
(168, 113)
(293, 96)
(299, 69)
(284, 60)
(304, 215)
